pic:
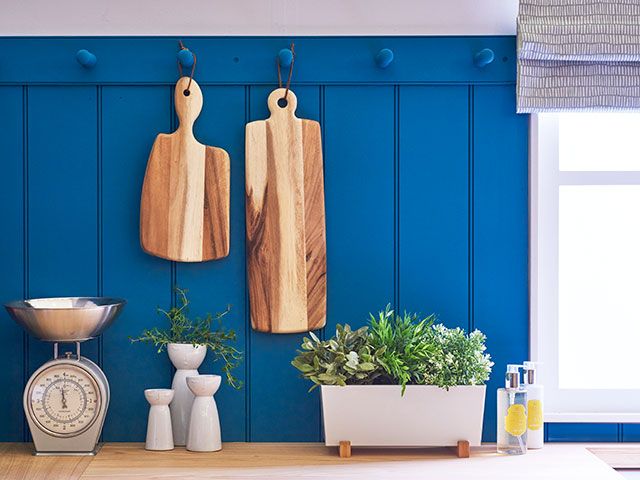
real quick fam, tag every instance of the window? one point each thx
(585, 264)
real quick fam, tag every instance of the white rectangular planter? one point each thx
(426, 416)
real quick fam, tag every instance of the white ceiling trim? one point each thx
(257, 17)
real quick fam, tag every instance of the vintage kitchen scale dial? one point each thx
(66, 399)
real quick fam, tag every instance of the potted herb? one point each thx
(400, 381)
(187, 342)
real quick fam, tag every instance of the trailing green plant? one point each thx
(394, 349)
(405, 343)
(345, 359)
(207, 331)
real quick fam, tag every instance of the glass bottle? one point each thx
(512, 414)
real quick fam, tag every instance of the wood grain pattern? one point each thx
(618, 455)
(285, 216)
(184, 210)
(301, 461)
(17, 462)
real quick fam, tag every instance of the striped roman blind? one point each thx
(578, 55)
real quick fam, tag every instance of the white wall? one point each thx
(257, 17)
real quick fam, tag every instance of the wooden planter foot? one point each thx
(345, 449)
(463, 450)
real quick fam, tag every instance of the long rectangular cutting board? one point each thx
(285, 215)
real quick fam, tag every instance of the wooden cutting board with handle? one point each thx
(184, 210)
(286, 240)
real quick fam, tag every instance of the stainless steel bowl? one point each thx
(71, 319)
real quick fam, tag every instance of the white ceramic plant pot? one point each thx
(204, 427)
(186, 358)
(426, 416)
(159, 435)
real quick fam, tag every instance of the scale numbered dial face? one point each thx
(64, 400)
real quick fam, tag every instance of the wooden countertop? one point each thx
(121, 461)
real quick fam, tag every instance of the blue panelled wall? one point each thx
(426, 205)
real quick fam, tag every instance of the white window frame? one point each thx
(544, 182)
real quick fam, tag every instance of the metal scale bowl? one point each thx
(66, 399)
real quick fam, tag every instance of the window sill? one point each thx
(551, 417)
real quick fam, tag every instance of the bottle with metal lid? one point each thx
(512, 377)
(535, 406)
(512, 414)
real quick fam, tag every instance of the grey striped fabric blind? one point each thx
(578, 55)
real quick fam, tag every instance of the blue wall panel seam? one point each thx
(396, 198)
(173, 271)
(247, 313)
(25, 238)
(324, 141)
(99, 222)
(323, 136)
(471, 209)
(173, 123)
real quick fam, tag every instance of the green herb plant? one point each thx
(405, 343)
(399, 350)
(207, 331)
(345, 359)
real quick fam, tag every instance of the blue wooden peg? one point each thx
(384, 58)
(285, 57)
(185, 57)
(86, 58)
(484, 57)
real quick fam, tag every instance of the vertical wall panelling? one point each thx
(11, 258)
(426, 206)
(434, 205)
(500, 215)
(62, 175)
(396, 197)
(131, 118)
(99, 212)
(281, 408)
(247, 337)
(322, 334)
(359, 181)
(214, 285)
(359, 188)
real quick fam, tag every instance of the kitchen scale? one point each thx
(66, 399)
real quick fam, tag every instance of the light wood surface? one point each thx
(619, 455)
(184, 210)
(18, 463)
(286, 240)
(121, 461)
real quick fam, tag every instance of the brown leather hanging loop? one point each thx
(293, 58)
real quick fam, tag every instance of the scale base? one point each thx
(84, 443)
(69, 454)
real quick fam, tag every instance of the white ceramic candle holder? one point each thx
(159, 432)
(204, 426)
(186, 358)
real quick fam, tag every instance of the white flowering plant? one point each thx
(397, 350)
(457, 358)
